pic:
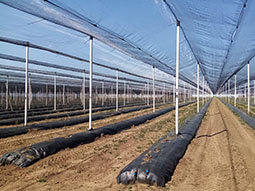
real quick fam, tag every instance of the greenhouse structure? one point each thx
(127, 95)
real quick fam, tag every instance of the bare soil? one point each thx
(92, 166)
(34, 136)
(221, 157)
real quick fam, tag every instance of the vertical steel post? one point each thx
(83, 91)
(164, 93)
(177, 77)
(117, 90)
(7, 93)
(203, 90)
(248, 86)
(128, 93)
(103, 93)
(125, 93)
(153, 71)
(63, 94)
(148, 93)
(55, 92)
(228, 91)
(197, 87)
(26, 83)
(235, 91)
(90, 80)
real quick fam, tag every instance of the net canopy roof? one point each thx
(218, 34)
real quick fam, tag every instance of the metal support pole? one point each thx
(55, 92)
(203, 90)
(248, 86)
(197, 87)
(153, 71)
(117, 90)
(63, 94)
(164, 93)
(148, 93)
(177, 78)
(125, 92)
(235, 91)
(83, 91)
(26, 83)
(7, 93)
(103, 93)
(90, 81)
(228, 91)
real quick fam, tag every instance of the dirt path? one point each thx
(221, 157)
(92, 166)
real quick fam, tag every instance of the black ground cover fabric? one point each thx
(28, 155)
(38, 111)
(17, 118)
(12, 131)
(20, 109)
(156, 165)
(41, 115)
(248, 119)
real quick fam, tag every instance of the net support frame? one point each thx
(55, 93)
(26, 84)
(153, 74)
(248, 86)
(177, 77)
(117, 90)
(198, 87)
(90, 80)
(235, 92)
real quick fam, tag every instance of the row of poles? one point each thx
(227, 89)
(163, 93)
(177, 80)
(117, 83)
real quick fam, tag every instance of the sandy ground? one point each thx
(34, 136)
(221, 157)
(92, 166)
